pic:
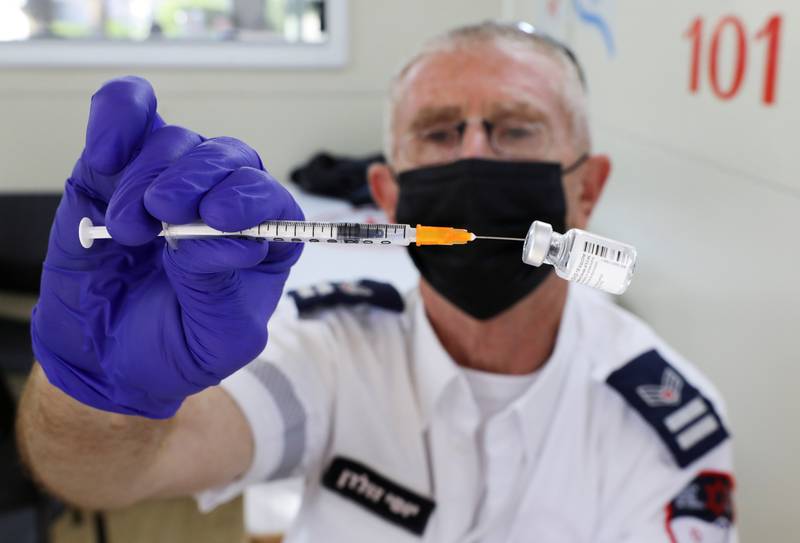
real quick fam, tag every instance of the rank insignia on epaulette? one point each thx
(686, 420)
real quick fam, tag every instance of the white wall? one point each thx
(709, 192)
(285, 115)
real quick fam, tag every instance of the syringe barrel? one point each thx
(277, 231)
(305, 232)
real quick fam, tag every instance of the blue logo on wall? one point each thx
(591, 16)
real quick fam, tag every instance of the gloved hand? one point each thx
(132, 325)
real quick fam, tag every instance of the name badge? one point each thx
(374, 492)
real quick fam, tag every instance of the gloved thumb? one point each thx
(122, 114)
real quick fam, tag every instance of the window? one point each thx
(226, 33)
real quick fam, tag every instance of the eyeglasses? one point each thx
(510, 138)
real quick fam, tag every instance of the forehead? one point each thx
(480, 80)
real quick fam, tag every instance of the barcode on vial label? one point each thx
(603, 251)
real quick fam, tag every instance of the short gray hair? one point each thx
(573, 83)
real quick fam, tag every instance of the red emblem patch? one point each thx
(707, 498)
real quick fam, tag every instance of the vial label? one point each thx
(600, 263)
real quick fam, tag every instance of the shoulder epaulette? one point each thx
(337, 294)
(681, 415)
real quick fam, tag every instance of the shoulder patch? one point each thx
(327, 295)
(685, 419)
(703, 510)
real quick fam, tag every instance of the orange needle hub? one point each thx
(442, 235)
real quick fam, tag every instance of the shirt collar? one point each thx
(535, 409)
(435, 371)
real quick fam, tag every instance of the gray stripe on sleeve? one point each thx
(292, 413)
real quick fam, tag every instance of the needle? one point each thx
(502, 239)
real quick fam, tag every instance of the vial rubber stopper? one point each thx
(537, 243)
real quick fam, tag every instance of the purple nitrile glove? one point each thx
(131, 325)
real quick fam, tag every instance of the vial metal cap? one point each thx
(537, 243)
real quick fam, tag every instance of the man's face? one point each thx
(503, 86)
(515, 88)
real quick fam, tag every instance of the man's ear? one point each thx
(593, 180)
(384, 188)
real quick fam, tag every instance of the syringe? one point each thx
(305, 232)
(576, 255)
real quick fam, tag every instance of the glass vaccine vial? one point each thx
(581, 257)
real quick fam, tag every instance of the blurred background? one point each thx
(137, 20)
(695, 101)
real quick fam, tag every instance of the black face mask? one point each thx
(489, 198)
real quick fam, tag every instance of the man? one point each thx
(496, 403)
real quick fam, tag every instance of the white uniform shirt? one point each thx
(367, 405)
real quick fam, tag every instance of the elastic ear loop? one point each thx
(575, 165)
